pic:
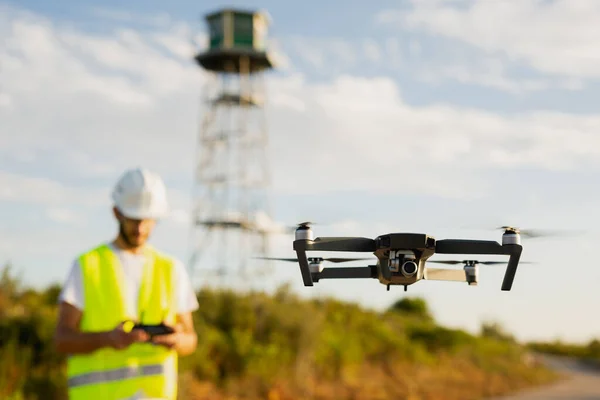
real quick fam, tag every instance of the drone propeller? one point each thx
(330, 259)
(454, 262)
(473, 262)
(529, 233)
(277, 259)
(293, 228)
(536, 233)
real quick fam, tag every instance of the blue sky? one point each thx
(433, 116)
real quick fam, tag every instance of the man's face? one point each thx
(135, 232)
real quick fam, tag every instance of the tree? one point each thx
(416, 307)
(495, 331)
(10, 288)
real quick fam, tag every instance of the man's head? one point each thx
(139, 201)
(133, 232)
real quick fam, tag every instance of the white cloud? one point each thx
(331, 55)
(555, 37)
(64, 215)
(287, 93)
(368, 138)
(491, 73)
(5, 100)
(157, 20)
(429, 62)
(46, 191)
(372, 51)
(179, 216)
(104, 98)
(174, 40)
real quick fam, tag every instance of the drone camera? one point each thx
(471, 274)
(409, 268)
(398, 258)
(395, 265)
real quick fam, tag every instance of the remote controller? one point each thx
(155, 330)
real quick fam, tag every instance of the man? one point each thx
(126, 280)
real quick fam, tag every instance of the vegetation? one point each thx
(280, 347)
(589, 351)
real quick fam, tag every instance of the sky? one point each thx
(447, 117)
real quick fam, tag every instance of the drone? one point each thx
(402, 258)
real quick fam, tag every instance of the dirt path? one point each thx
(581, 382)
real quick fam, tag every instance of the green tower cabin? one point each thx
(237, 42)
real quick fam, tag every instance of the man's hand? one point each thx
(68, 339)
(169, 340)
(119, 339)
(184, 340)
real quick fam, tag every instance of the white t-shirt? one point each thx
(133, 264)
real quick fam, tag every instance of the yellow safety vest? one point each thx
(142, 368)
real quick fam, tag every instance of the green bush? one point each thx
(414, 307)
(494, 330)
(437, 338)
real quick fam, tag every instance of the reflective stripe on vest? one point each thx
(110, 374)
(115, 375)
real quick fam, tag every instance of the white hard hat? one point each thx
(141, 194)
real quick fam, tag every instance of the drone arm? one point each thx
(300, 248)
(464, 246)
(348, 272)
(350, 244)
(511, 268)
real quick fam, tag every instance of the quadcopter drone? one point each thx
(402, 257)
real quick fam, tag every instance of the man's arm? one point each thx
(188, 340)
(184, 340)
(69, 339)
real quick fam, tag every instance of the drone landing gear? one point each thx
(405, 287)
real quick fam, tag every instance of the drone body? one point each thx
(402, 257)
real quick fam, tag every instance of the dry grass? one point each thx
(450, 379)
